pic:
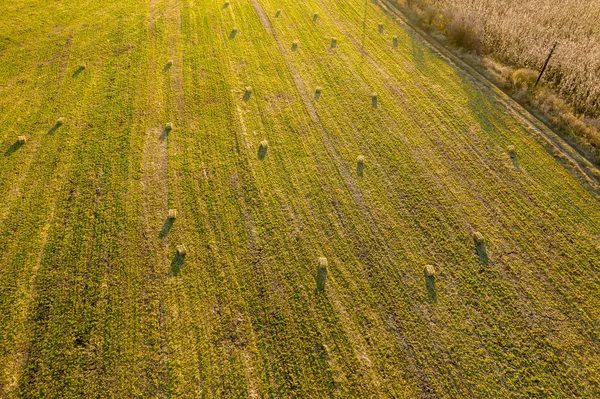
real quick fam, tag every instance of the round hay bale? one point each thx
(169, 126)
(380, 27)
(395, 41)
(60, 121)
(181, 251)
(172, 213)
(360, 160)
(318, 90)
(21, 139)
(248, 90)
(478, 238)
(429, 271)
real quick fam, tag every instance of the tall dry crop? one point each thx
(522, 33)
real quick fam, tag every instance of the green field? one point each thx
(95, 302)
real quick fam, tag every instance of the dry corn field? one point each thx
(522, 33)
(207, 199)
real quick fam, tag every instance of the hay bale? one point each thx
(318, 90)
(381, 27)
(264, 145)
(360, 165)
(181, 251)
(374, 99)
(21, 139)
(248, 90)
(478, 238)
(395, 41)
(82, 67)
(169, 63)
(322, 273)
(60, 121)
(374, 95)
(333, 42)
(169, 126)
(234, 31)
(429, 271)
(172, 214)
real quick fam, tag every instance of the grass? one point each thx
(100, 303)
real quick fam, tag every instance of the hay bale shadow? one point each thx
(13, 148)
(233, 34)
(481, 252)
(225, 5)
(166, 227)
(247, 95)
(262, 152)
(374, 102)
(177, 264)
(514, 161)
(78, 71)
(165, 134)
(167, 67)
(317, 95)
(430, 284)
(315, 17)
(360, 168)
(294, 46)
(278, 13)
(54, 128)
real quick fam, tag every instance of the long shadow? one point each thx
(430, 284)
(167, 67)
(78, 71)
(54, 128)
(166, 228)
(481, 252)
(262, 152)
(360, 167)
(515, 161)
(16, 145)
(165, 134)
(247, 95)
(177, 264)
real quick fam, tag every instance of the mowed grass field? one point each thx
(94, 301)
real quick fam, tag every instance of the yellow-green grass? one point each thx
(88, 303)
